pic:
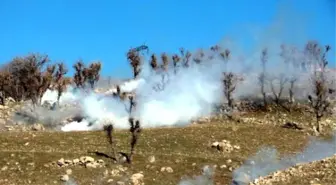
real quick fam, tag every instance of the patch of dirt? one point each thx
(24, 155)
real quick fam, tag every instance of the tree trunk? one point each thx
(318, 125)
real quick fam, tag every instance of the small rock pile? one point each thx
(225, 146)
(167, 169)
(87, 161)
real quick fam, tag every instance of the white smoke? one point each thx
(192, 92)
(267, 161)
(206, 178)
(51, 96)
(188, 94)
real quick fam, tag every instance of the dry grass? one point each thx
(178, 148)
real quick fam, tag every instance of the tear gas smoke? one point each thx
(267, 161)
(193, 91)
(206, 178)
(189, 94)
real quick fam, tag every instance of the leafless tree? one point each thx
(109, 133)
(199, 56)
(135, 61)
(93, 74)
(185, 55)
(262, 76)
(176, 60)
(135, 130)
(319, 100)
(80, 74)
(60, 81)
(154, 63)
(230, 81)
(279, 80)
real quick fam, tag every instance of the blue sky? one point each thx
(105, 29)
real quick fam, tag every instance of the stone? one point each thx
(61, 162)
(68, 171)
(137, 179)
(65, 178)
(37, 127)
(151, 159)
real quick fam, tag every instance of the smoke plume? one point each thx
(192, 92)
(267, 161)
(206, 178)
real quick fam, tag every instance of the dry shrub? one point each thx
(135, 62)
(26, 78)
(86, 75)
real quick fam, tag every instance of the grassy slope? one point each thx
(178, 148)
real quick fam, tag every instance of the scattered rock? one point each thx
(151, 159)
(37, 127)
(115, 172)
(91, 165)
(110, 180)
(65, 178)
(75, 161)
(137, 179)
(4, 168)
(61, 162)
(225, 146)
(223, 166)
(87, 161)
(68, 171)
(3, 107)
(167, 169)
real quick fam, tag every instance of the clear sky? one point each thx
(104, 30)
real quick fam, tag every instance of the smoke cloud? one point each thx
(267, 161)
(206, 178)
(192, 92)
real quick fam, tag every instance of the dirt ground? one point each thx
(26, 157)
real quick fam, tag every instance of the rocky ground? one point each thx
(36, 154)
(314, 173)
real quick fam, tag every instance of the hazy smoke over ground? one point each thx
(206, 178)
(267, 161)
(192, 92)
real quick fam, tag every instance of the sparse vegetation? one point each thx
(28, 78)
(319, 101)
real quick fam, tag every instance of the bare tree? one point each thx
(292, 82)
(80, 74)
(176, 60)
(288, 54)
(281, 81)
(109, 132)
(135, 131)
(163, 72)
(262, 76)
(154, 63)
(319, 101)
(93, 73)
(199, 56)
(230, 79)
(135, 62)
(60, 82)
(185, 57)
(215, 49)
(165, 62)
(134, 127)
(230, 82)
